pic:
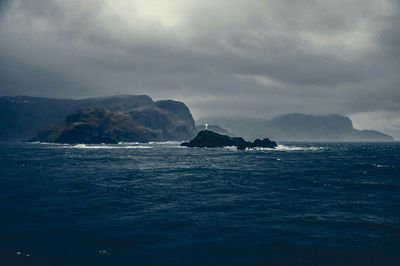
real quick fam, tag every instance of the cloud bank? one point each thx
(228, 57)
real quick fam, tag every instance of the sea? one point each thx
(305, 203)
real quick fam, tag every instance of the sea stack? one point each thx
(211, 139)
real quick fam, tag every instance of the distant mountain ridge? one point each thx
(297, 126)
(23, 117)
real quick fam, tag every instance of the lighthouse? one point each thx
(206, 125)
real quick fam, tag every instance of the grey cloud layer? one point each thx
(232, 57)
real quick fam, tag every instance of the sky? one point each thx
(250, 58)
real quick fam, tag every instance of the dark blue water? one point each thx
(160, 204)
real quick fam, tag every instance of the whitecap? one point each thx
(165, 142)
(85, 146)
(234, 148)
(287, 148)
(137, 147)
(297, 148)
(382, 166)
(103, 252)
(47, 143)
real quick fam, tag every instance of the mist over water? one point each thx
(162, 204)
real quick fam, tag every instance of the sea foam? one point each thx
(287, 148)
(85, 146)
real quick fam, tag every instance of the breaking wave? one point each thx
(288, 148)
(382, 166)
(85, 146)
(166, 142)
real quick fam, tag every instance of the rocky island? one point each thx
(95, 126)
(133, 118)
(211, 139)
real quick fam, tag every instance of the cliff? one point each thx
(298, 126)
(24, 117)
(97, 126)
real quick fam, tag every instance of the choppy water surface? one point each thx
(161, 204)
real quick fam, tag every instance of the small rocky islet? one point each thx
(210, 139)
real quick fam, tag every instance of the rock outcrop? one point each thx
(210, 139)
(94, 126)
(172, 120)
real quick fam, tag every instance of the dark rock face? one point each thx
(264, 143)
(94, 126)
(23, 117)
(210, 139)
(171, 119)
(101, 140)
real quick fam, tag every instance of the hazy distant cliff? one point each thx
(298, 126)
(24, 117)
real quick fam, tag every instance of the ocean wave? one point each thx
(48, 143)
(287, 148)
(86, 146)
(233, 148)
(120, 145)
(165, 142)
(150, 145)
(382, 165)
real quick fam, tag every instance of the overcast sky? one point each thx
(227, 57)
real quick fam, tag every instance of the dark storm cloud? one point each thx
(248, 58)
